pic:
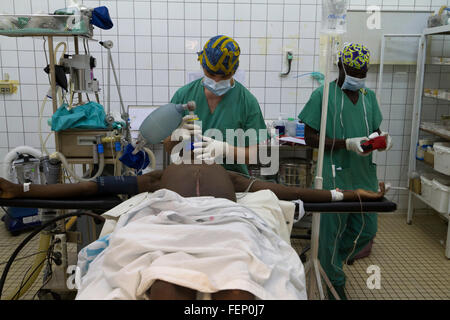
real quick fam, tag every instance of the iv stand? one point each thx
(313, 269)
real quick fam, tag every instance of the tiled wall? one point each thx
(156, 44)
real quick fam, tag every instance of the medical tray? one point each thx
(45, 25)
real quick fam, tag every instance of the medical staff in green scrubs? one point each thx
(353, 115)
(222, 103)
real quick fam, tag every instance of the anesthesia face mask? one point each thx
(219, 88)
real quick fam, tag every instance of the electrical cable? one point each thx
(22, 284)
(84, 45)
(38, 267)
(253, 180)
(35, 232)
(49, 270)
(23, 257)
(360, 232)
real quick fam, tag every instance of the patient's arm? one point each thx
(148, 182)
(307, 195)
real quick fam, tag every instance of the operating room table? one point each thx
(100, 204)
(105, 203)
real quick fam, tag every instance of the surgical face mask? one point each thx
(352, 83)
(219, 88)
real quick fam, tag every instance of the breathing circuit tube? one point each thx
(60, 156)
(152, 157)
(45, 242)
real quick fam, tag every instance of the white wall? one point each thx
(156, 44)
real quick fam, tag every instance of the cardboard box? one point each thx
(415, 185)
(429, 158)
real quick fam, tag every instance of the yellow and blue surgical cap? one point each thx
(220, 55)
(355, 55)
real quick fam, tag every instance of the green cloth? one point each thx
(352, 172)
(238, 109)
(88, 116)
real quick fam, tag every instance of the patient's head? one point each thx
(194, 180)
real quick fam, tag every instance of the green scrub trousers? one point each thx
(238, 109)
(338, 231)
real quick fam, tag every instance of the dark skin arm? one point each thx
(152, 181)
(307, 195)
(146, 183)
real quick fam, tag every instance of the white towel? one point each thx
(204, 243)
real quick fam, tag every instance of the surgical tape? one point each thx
(336, 195)
(117, 185)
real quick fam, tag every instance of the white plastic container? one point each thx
(442, 157)
(291, 127)
(426, 188)
(440, 196)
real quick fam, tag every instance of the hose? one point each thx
(35, 232)
(41, 111)
(152, 157)
(60, 156)
(70, 223)
(441, 10)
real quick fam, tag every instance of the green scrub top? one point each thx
(352, 170)
(238, 109)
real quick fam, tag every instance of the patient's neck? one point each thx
(196, 180)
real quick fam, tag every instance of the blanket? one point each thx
(204, 243)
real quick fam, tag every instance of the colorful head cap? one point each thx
(355, 55)
(220, 55)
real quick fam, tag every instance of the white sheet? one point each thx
(203, 243)
(264, 203)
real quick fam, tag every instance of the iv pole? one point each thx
(313, 269)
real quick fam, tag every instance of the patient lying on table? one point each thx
(189, 237)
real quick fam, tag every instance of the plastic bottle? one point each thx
(163, 121)
(291, 127)
(300, 130)
(279, 125)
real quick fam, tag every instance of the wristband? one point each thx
(336, 196)
(26, 187)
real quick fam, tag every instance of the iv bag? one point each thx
(334, 16)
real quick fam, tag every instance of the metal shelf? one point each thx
(47, 25)
(418, 125)
(445, 214)
(435, 97)
(443, 30)
(436, 129)
(17, 34)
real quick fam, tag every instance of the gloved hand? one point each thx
(389, 143)
(186, 129)
(354, 144)
(210, 149)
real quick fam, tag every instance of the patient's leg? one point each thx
(162, 290)
(232, 295)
